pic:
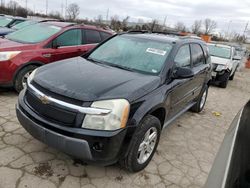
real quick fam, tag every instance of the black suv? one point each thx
(112, 104)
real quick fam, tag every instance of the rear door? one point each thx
(200, 68)
(181, 93)
(91, 38)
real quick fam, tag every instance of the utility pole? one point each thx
(229, 24)
(26, 4)
(107, 16)
(164, 23)
(62, 9)
(66, 7)
(245, 30)
(2, 3)
(47, 6)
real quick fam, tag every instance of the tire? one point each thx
(21, 77)
(232, 77)
(200, 104)
(132, 161)
(225, 79)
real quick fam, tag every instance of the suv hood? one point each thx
(219, 60)
(8, 45)
(83, 80)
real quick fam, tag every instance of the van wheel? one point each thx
(22, 76)
(143, 144)
(198, 107)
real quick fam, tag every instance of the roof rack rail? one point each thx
(191, 37)
(156, 32)
(138, 31)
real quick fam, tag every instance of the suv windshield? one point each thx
(4, 21)
(34, 34)
(219, 51)
(23, 24)
(133, 53)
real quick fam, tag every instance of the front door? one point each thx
(69, 44)
(181, 92)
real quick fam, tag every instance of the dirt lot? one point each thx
(183, 159)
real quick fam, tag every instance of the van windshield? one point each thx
(133, 53)
(220, 51)
(34, 33)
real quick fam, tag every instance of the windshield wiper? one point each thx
(110, 64)
(121, 67)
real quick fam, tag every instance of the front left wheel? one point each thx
(143, 144)
(22, 76)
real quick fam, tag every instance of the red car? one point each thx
(24, 50)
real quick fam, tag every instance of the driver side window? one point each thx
(182, 58)
(72, 37)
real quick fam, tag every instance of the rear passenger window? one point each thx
(105, 35)
(197, 55)
(70, 38)
(182, 58)
(92, 37)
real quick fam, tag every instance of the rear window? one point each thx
(34, 34)
(105, 35)
(92, 37)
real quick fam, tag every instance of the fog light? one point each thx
(98, 146)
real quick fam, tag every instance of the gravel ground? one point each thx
(183, 159)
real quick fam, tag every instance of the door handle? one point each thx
(47, 55)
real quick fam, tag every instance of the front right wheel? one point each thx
(143, 144)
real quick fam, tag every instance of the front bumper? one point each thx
(91, 146)
(6, 73)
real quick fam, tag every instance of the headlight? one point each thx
(221, 67)
(4, 56)
(31, 76)
(116, 119)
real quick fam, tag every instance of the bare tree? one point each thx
(99, 19)
(115, 23)
(196, 27)
(125, 23)
(13, 5)
(209, 25)
(180, 26)
(73, 11)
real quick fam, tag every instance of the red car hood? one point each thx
(6, 44)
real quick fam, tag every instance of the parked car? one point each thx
(231, 166)
(111, 104)
(8, 21)
(26, 49)
(5, 31)
(225, 63)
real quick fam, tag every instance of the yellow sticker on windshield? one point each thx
(156, 51)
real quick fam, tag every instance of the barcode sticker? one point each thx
(156, 51)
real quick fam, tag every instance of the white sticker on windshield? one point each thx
(156, 51)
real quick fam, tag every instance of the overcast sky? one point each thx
(227, 13)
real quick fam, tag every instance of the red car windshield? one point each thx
(34, 33)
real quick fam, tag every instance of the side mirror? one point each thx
(182, 73)
(237, 58)
(55, 45)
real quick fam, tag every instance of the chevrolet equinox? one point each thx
(111, 104)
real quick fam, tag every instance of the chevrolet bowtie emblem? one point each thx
(44, 99)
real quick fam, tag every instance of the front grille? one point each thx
(50, 112)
